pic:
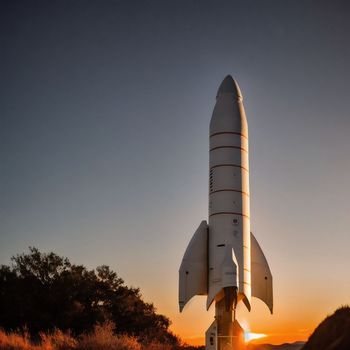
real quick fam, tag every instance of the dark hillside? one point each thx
(333, 333)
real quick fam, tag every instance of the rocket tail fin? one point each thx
(193, 273)
(260, 275)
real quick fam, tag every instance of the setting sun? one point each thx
(248, 336)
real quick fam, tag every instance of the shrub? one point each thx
(46, 292)
(103, 338)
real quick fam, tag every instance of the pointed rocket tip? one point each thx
(229, 86)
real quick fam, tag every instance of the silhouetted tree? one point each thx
(45, 291)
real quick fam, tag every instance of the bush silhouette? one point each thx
(44, 292)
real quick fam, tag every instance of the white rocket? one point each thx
(223, 259)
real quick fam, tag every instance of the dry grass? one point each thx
(157, 346)
(57, 341)
(16, 341)
(101, 338)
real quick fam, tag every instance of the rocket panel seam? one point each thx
(229, 213)
(229, 132)
(234, 165)
(230, 190)
(236, 147)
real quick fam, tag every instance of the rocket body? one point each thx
(223, 259)
(229, 209)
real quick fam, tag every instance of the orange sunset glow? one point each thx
(288, 323)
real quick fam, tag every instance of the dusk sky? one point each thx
(105, 110)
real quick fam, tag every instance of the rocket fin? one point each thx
(260, 274)
(193, 273)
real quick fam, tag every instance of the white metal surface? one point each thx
(223, 260)
(193, 273)
(211, 337)
(229, 212)
(261, 275)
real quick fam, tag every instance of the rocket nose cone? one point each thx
(229, 86)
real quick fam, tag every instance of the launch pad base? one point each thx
(235, 341)
(225, 333)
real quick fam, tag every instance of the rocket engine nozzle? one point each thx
(230, 295)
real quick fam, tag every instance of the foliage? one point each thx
(45, 292)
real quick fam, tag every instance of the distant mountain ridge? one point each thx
(333, 333)
(286, 346)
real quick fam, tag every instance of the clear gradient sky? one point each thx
(105, 109)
